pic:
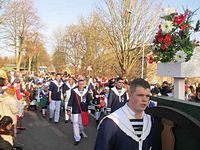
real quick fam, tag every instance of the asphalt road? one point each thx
(40, 134)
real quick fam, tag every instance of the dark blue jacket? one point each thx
(116, 100)
(75, 98)
(56, 91)
(111, 137)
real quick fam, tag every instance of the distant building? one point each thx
(43, 68)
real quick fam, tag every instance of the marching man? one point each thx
(67, 87)
(55, 97)
(117, 96)
(79, 101)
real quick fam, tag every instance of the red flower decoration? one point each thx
(167, 39)
(150, 59)
(183, 27)
(178, 20)
(159, 37)
(164, 47)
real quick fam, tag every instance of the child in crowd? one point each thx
(5, 129)
(44, 100)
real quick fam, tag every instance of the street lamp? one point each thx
(142, 74)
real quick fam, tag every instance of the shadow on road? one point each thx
(40, 134)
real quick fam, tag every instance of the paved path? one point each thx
(40, 134)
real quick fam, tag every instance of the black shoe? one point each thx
(66, 121)
(81, 135)
(56, 122)
(18, 146)
(76, 142)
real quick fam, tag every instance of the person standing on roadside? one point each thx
(8, 101)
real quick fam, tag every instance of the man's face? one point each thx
(81, 85)
(120, 84)
(71, 81)
(58, 77)
(94, 80)
(106, 90)
(138, 100)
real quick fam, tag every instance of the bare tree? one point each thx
(84, 42)
(128, 24)
(59, 55)
(44, 58)
(33, 47)
(74, 46)
(22, 20)
(92, 39)
(58, 60)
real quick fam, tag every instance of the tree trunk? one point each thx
(36, 64)
(19, 60)
(29, 64)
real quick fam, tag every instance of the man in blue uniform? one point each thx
(55, 97)
(128, 128)
(117, 96)
(67, 87)
(79, 101)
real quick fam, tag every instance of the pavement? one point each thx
(40, 134)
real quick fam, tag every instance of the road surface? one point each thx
(40, 134)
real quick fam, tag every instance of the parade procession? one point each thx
(99, 75)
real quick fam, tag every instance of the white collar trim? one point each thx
(57, 84)
(121, 120)
(78, 92)
(117, 93)
(69, 86)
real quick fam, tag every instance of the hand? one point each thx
(62, 97)
(69, 113)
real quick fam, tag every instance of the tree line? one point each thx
(113, 39)
(21, 33)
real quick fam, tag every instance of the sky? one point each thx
(60, 13)
(55, 13)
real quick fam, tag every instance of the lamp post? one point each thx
(142, 74)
